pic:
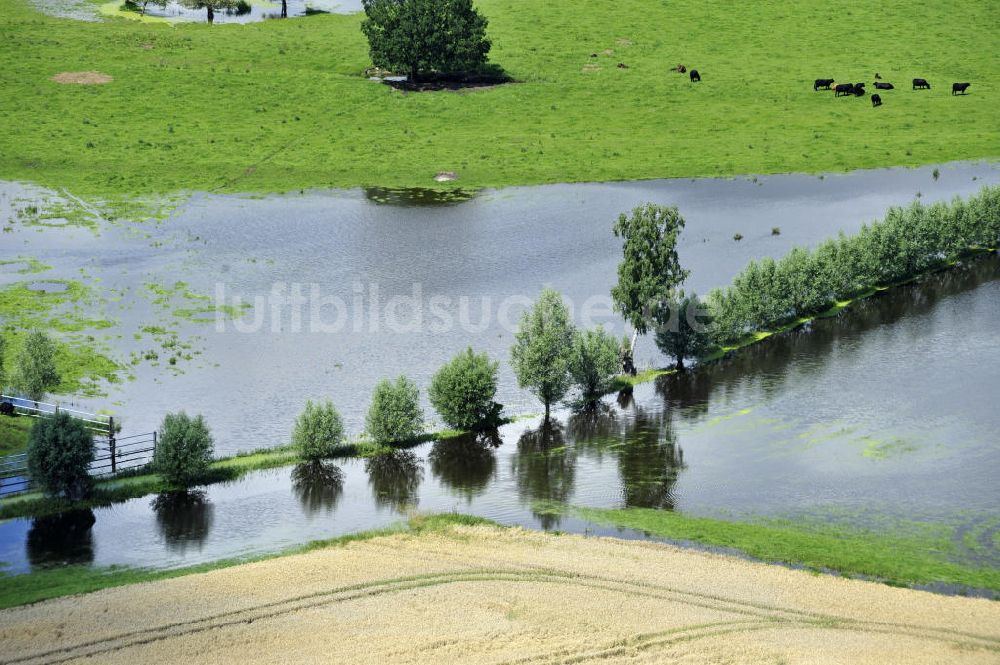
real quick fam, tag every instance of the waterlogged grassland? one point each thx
(71, 315)
(144, 482)
(922, 555)
(14, 434)
(283, 105)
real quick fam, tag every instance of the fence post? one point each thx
(111, 443)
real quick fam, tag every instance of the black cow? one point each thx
(879, 85)
(959, 88)
(921, 84)
(876, 101)
(822, 83)
(843, 89)
(859, 89)
(695, 76)
(6, 409)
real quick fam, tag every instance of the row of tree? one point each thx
(34, 371)
(770, 293)
(906, 243)
(550, 357)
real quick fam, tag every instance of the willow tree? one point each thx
(543, 349)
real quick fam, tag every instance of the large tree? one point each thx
(420, 36)
(543, 349)
(650, 271)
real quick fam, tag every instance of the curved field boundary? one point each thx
(754, 616)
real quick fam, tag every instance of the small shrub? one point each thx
(184, 449)
(36, 366)
(462, 391)
(737, 237)
(60, 451)
(395, 414)
(594, 361)
(319, 430)
(776, 230)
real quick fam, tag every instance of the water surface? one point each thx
(418, 283)
(881, 417)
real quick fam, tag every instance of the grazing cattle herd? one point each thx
(858, 89)
(846, 89)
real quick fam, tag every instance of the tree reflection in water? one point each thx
(545, 470)
(184, 518)
(649, 462)
(466, 464)
(395, 479)
(61, 539)
(318, 486)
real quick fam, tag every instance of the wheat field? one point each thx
(487, 595)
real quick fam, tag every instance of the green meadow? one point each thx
(285, 104)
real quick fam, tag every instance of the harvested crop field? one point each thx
(488, 595)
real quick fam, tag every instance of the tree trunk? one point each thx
(680, 364)
(546, 412)
(211, 15)
(284, 8)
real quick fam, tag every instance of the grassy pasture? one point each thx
(284, 105)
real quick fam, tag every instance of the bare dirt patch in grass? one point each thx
(83, 78)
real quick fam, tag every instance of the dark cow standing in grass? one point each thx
(957, 88)
(921, 84)
(843, 89)
(879, 85)
(876, 101)
(822, 83)
(695, 76)
(859, 89)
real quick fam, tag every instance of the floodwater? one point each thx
(255, 10)
(884, 415)
(385, 287)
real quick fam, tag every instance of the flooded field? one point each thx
(344, 288)
(880, 418)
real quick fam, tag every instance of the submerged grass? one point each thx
(82, 363)
(142, 482)
(284, 105)
(901, 559)
(50, 583)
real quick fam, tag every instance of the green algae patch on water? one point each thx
(24, 265)
(880, 449)
(83, 362)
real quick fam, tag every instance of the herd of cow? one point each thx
(858, 89)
